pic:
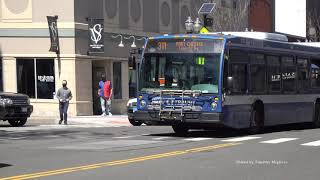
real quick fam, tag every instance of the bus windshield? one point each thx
(181, 67)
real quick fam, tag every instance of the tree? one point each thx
(313, 24)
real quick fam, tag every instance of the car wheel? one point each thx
(17, 122)
(134, 122)
(180, 129)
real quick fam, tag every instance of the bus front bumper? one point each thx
(171, 118)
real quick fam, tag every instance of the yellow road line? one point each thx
(118, 162)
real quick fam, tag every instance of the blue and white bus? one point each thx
(234, 79)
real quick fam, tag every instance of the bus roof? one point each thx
(253, 35)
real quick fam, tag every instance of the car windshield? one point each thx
(176, 70)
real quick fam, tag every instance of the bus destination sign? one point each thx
(184, 46)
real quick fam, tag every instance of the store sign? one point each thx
(96, 36)
(54, 36)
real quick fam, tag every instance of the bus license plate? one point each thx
(24, 109)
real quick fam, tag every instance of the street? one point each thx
(154, 152)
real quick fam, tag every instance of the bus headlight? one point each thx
(214, 105)
(143, 103)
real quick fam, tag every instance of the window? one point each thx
(239, 71)
(258, 73)
(117, 81)
(25, 77)
(303, 75)
(45, 78)
(223, 3)
(288, 70)
(234, 4)
(315, 70)
(35, 77)
(273, 74)
(1, 77)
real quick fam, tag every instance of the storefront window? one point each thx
(35, 77)
(117, 87)
(45, 79)
(25, 77)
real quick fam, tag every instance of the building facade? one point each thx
(28, 67)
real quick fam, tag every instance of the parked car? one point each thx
(15, 108)
(131, 108)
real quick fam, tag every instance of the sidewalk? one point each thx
(115, 120)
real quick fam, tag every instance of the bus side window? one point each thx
(288, 72)
(303, 75)
(273, 74)
(239, 71)
(315, 70)
(257, 73)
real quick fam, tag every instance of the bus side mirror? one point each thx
(229, 82)
(132, 62)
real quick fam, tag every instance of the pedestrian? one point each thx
(105, 94)
(101, 95)
(64, 95)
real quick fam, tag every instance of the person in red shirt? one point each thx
(107, 92)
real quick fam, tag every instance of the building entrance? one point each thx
(97, 72)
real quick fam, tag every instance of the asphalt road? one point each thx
(155, 153)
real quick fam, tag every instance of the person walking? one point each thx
(105, 93)
(101, 95)
(64, 95)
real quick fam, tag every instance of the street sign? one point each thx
(204, 30)
(206, 8)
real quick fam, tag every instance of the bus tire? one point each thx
(316, 119)
(257, 119)
(180, 129)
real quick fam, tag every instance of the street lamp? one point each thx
(197, 26)
(121, 43)
(189, 25)
(133, 45)
(142, 38)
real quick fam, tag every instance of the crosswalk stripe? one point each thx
(277, 141)
(161, 138)
(197, 139)
(313, 143)
(241, 139)
(126, 137)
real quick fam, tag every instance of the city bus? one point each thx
(241, 80)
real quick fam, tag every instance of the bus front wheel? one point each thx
(180, 129)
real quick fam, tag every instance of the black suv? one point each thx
(15, 108)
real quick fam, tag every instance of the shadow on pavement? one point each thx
(229, 133)
(56, 134)
(2, 165)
